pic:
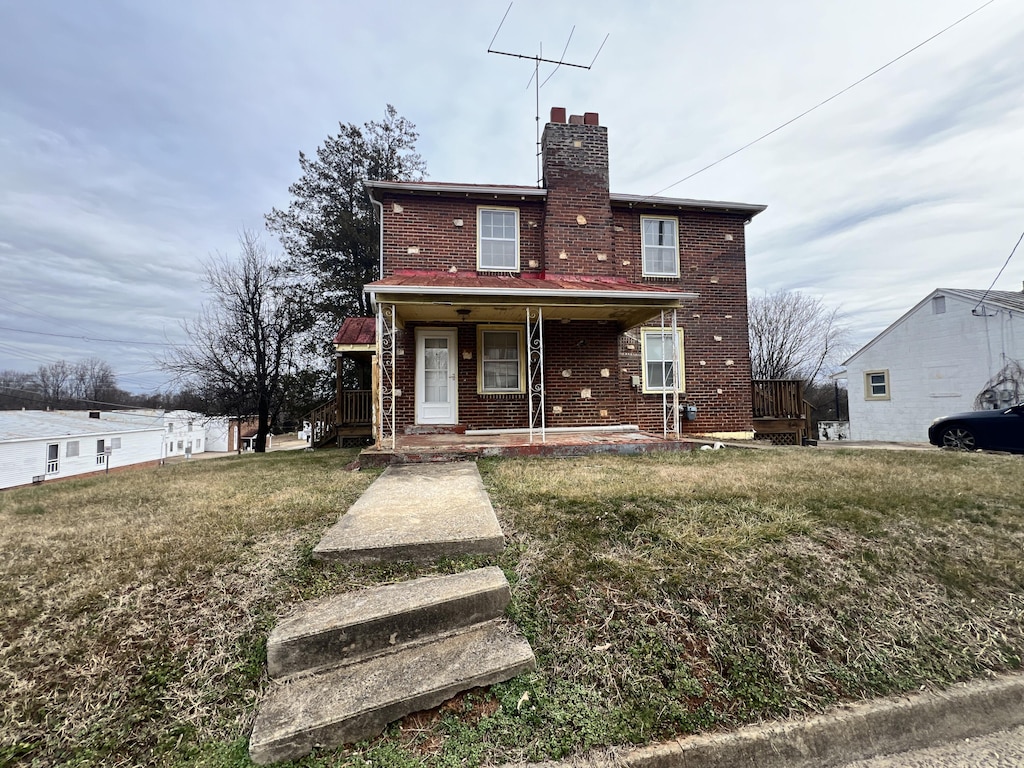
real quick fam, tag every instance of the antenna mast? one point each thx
(535, 78)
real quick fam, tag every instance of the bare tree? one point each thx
(794, 336)
(242, 343)
(55, 383)
(93, 382)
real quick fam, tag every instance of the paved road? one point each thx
(1004, 749)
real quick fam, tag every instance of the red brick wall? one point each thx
(716, 350)
(578, 228)
(583, 349)
(427, 224)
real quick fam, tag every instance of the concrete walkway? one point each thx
(416, 512)
(344, 667)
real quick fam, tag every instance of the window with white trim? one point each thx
(500, 359)
(101, 453)
(876, 385)
(498, 239)
(659, 356)
(661, 246)
(115, 443)
(52, 458)
(71, 450)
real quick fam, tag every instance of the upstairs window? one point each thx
(498, 239)
(938, 305)
(661, 246)
(661, 349)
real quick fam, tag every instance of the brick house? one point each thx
(561, 306)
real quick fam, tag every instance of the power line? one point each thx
(989, 289)
(87, 338)
(822, 103)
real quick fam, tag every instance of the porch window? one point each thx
(876, 385)
(661, 246)
(498, 239)
(659, 351)
(500, 355)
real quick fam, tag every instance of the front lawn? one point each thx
(662, 594)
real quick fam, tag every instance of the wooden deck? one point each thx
(781, 415)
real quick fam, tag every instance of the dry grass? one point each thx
(135, 605)
(662, 594)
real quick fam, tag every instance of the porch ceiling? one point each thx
(492, 298)
(456, 309)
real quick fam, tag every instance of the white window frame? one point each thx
(647, 387)
(101, 453)
(71, 450)
(480, 211)
(644, 246)
(481, 331)
(869, 385)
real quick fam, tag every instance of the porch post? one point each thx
(535, 364)
(676, 371)
(664, 390)
(386, 370)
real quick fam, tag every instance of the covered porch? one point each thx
(515, 354)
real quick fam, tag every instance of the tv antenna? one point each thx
(535, 78)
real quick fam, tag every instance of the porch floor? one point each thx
(455, 447)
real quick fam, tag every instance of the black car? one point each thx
(1001, 430)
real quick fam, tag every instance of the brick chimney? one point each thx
(578, 230)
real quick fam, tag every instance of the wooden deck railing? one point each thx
(322, 423)
(780, 412)
(355, 406)
(778, 399)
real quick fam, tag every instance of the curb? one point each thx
(852, 732)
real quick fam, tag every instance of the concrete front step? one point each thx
(418, 512)
(353, 626)
(356, 701)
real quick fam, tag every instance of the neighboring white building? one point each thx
(36, 446)
(956, 350)
(184, 431)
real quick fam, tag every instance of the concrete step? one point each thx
(356, 701)
(352, 626)
(418, 512)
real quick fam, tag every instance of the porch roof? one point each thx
(357, 334)
(457, 296)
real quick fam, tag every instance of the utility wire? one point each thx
(822, 103)
(989, 289)
(86, 338)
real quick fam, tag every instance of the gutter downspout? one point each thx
(380, 219)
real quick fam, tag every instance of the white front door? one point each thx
(436, 376)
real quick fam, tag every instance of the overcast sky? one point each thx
(137, 138)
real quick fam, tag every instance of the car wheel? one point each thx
(958, 439)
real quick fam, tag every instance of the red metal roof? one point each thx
(357, 330)
(526, 281)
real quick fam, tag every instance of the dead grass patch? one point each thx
(663, 595)
(135, 606)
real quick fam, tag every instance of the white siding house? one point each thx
(184, 431)
(956, 350)
(36, 446)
